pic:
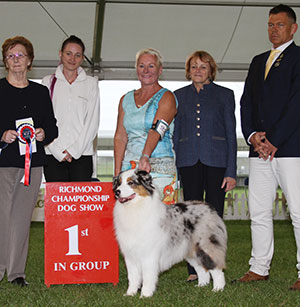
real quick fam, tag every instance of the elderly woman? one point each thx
(27, 123)
(205, 135)
(75, 98)
(143, 137)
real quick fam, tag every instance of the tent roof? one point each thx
(114, 30)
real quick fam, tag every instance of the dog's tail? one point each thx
(211, 250)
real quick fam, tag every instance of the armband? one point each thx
(161, 127)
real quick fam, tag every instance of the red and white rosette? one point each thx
(26, 135)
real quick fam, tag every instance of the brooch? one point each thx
(277, 62)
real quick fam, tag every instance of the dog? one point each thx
(153, 236)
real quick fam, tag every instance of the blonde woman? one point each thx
(145, 126)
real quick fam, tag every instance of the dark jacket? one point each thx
(205, 128)
(273, 105)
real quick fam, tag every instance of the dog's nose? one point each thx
(117, 193)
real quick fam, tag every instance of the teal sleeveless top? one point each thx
(137, 122)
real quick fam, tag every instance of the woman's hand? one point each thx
(144, 164)
(9, 136)
(228, 183)
(39, 134)
(67, 157)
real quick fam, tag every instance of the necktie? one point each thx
(270, 61)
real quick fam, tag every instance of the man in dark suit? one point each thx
(270, 114)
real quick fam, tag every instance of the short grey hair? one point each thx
(159, 59)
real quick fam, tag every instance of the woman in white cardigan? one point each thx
(75, 98)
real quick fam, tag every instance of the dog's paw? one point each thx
(202, 283)
(219, 286)
(218, 289)
(145, 295)
(147, 292)
(130, 293)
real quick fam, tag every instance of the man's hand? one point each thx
(271, 149)
(263, 146)
(258, 142)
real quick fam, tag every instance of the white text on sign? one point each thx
(78, 198)
(73, 208)
(81, 266)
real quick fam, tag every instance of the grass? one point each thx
(172, 289)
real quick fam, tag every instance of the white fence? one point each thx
(236, 208)
(38, 212)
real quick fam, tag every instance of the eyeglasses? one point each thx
(12, 56)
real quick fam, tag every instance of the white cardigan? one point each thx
(77, 110)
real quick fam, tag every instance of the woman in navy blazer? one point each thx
(205, 136)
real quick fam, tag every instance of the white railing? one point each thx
(236, 208)
(38, 212)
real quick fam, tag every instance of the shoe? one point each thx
(20, 281)
(192, 277)
(296, 285)
(251, 276)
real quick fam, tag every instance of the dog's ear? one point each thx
(145, 179)
(143, 175)
(116, 182)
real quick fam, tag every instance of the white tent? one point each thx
(114, 30)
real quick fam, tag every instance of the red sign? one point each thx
(80, 245)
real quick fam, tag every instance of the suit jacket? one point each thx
(273, 105)
(205, 128)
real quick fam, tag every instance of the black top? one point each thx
(19, 103)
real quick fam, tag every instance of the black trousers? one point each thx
(78, 170)
(201, 178)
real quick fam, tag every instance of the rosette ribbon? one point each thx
(26, 136)
(28, 156)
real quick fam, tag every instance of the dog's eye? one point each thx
(130, 183)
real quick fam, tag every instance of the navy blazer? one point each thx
(273, 105)
(205, 128)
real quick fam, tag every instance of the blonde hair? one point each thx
(205, 57)
(156, 53)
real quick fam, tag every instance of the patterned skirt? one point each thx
(164, 174)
